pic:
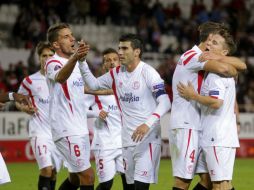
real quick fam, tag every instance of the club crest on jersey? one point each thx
(57, 67)
(120, 84)
(39, 88)
(136, 85)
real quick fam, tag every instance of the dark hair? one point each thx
(210, 28)
(136, 41)
(229, 41)
(41, 46)
(109, 50)
(52, 33)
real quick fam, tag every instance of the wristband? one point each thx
(11, 97)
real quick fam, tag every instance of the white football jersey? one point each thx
(135, 95)
(67, 106)
(107, 133)
(36, 87)
(219, 126)
(186, 114)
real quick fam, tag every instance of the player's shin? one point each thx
(67, 185)
(199, 187)
(141, 186)
(44, 183)
(86, 187)
(125, 185)
(106, 185)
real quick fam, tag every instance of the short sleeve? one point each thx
(191, 61)
(154, 81)
(24, 87)
(52, 67)
(217, 87)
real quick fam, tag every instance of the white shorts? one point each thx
(46, 153)
(141, 163)
(220, 162)
(4, 175)
(108, 163)
(184, 151)
(75, 151)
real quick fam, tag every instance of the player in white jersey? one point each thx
(185, 115)
(22, 99)
(67, 106)
(218, 119)
(46, 154)
(142, 100)
(107, 142)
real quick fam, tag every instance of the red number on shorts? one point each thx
(39, 149)
(192, 156)
(100, 164)
(76, 150)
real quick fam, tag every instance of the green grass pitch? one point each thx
(24, 176)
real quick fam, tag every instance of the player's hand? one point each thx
(186, 91)
(209, 55)
(22, 99)
(26, 108)
(29, 110)
(81, 51)
(140, 132)
(103, 114)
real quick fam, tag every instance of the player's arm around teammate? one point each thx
(217, 94)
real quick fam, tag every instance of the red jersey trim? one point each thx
(67, 95)
(186, 61)
(98, 102)
(46, 68)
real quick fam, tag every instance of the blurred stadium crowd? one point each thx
(168, 28)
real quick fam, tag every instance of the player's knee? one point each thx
(74, 179)
(87, 177)
(219, 185)
(53, 175)
(106, 185)
(205, 180)
(46, 172)
(182, 183)
(141, 186)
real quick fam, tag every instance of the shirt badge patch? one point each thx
(120, 84)
(57, 67)
(136, 85)
(39, 89)
(214, 92)
(159, 86)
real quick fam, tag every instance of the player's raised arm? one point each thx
(67, 69)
